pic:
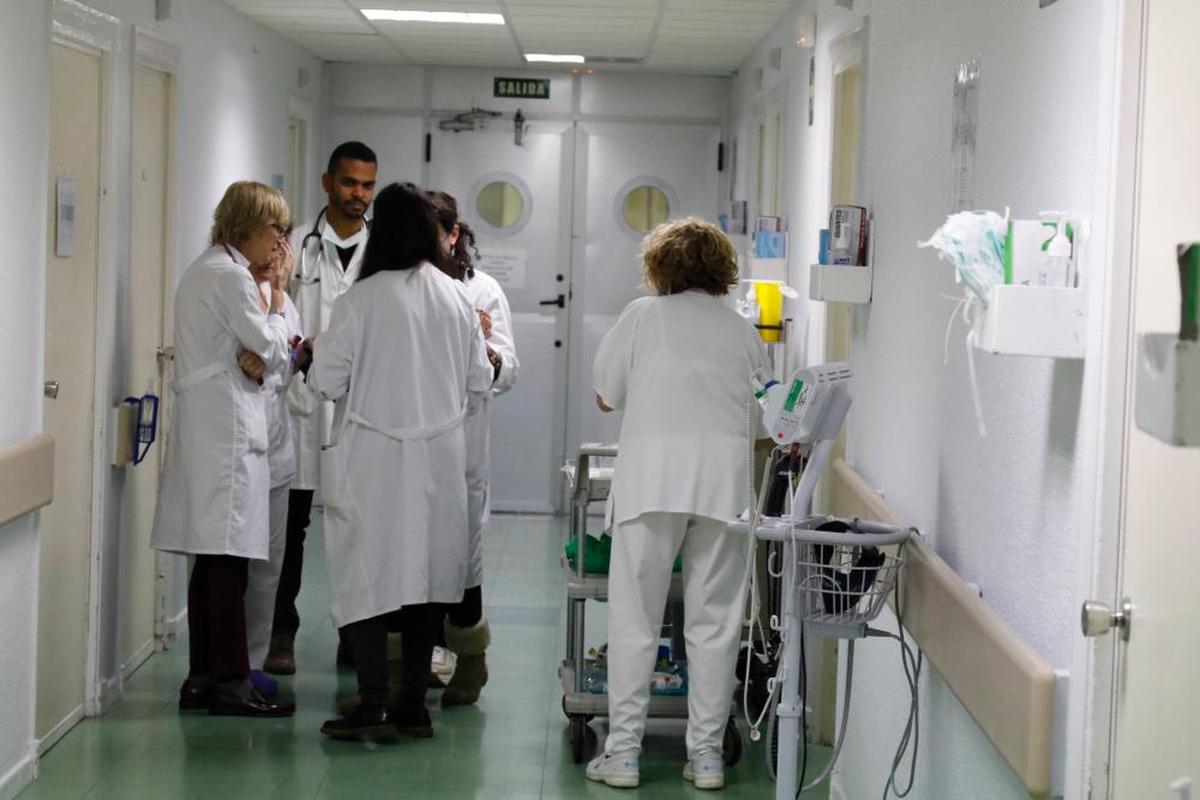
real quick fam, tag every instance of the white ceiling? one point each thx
(702, 36)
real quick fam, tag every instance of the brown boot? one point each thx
(395, 662)
(470, 674)
(281, 657)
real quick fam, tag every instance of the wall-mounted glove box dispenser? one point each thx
(1168, 388)
(840, 283)
(132, 429)
(1045, 321)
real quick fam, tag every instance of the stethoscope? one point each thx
(304, 276)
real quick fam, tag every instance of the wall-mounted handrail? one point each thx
(26, 476)
(1004, 683)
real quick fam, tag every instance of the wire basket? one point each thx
(844, 584)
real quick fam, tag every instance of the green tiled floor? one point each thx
(512, 745)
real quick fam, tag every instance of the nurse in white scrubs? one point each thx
(263, 579)
(466, 630)
(403, 350)
(679, 364)
(215, 482)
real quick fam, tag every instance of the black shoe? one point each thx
(414, 721)
(195, 696)
(364, 724)
(235, 703)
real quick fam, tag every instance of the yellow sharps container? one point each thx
(769, 297)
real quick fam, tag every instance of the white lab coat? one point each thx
(214, 483)
(262, 580)
(403, 349)
(680, 366)
(318, 280)
(484, 292)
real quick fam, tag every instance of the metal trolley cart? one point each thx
(589, 483)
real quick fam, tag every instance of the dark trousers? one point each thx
(418, 626)
(287, 618)
(217, 618)
(467, 612)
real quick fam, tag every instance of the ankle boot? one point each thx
(470, 674)
(395, 662)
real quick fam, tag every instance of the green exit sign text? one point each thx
(536, 88)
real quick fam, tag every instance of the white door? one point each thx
(516, 198)
(137, 570)
(65, 526)
(629, 177)
(1156, 741)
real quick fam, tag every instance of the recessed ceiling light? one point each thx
(553, 58)
(459, 17)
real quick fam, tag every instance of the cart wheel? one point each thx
(732, 744)
(583, 739)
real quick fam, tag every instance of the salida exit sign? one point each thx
(534, 88)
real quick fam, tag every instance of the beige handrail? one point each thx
(1003, 683)
(26, 476)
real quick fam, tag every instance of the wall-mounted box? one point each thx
(1045, 321)
(1168, 388)
(840, 283)
(768, 269)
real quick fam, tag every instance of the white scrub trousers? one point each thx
(263, 581)
(714, 582)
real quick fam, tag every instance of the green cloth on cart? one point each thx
(598, 554)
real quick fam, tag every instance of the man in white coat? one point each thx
(329, 254)
(212, 499)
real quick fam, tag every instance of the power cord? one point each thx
(912, 728)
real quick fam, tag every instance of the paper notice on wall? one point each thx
(64, 229)
(962, 143)
(505, 264)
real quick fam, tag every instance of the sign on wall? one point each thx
(505, 264)
(533, 88)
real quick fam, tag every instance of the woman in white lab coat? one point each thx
(212, 499)
(263, 578)
(466, 630)
(403, 350)
(679, 363)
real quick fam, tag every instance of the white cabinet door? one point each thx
(1156, 737)
(680, 161)
(526, 247)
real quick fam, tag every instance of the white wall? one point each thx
(1012, 512)
(24, 80)
(234, 89)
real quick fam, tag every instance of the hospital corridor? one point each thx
(482, 399)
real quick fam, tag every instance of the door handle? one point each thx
(560, 301)
(50, 389)
(1098, 619)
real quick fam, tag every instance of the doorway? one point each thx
(77, 96)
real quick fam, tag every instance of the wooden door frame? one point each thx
(85, 29)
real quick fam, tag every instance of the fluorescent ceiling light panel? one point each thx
(458, 17)
(552, 58)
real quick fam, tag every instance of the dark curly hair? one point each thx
(689, 253)
(459, 263)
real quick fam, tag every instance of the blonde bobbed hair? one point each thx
(246, 208)
(689, 253)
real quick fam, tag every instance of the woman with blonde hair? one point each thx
(215, 482)
(680, 364)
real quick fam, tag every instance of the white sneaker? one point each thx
(615, 769)
(705, 771)
(442, 663)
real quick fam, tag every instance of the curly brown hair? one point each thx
(689, 253)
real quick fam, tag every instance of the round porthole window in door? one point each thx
(502, 204)
(643, 204)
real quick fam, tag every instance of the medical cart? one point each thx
(589, 480)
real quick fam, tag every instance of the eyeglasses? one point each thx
(282, 230)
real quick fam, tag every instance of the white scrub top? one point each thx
(215, 480)
(680, 366)
(404, 349)
(318, 280)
